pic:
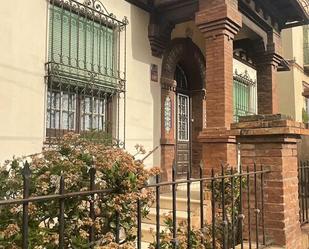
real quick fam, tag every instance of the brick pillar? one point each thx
(267, 64)
(219, 21)
(271, 141)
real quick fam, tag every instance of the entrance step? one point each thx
(166, 207)
(181, 191)
(181, 216)
(149, 231)
(166, 202)
(145, 245)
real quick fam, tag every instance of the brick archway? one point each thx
(183, 52)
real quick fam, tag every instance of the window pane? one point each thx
(183, 117)
(60, 110)
(93, 113)
(65, 120)
(65, 101)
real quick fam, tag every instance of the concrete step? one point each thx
(181, 191)
(181, 216)
(166, 202)
(145, 245)
(195, 195)
(149, 231)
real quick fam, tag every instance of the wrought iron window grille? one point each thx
(86, 43)
(87, 57)
(245, 95)
(244, 78)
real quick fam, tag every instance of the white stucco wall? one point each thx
(244, 69)
(286, 93)
(143, 103)
(22, 49)
(23, 46)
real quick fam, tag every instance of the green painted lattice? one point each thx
(241, 99)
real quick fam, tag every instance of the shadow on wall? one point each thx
(139, 21)
(141, 52)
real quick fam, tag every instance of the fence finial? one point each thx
(26, 170)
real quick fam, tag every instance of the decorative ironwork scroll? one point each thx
(244, 77)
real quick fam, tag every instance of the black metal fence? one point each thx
(230, 212)
(303, 191)
(236, 209)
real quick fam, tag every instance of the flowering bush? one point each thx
(73, 157)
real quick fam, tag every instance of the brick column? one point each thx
(267, 63)
(271, 141)
(219, 21)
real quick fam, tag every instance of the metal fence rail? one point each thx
(236, 210)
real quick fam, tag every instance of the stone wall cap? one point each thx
(270, 131)
(264, 117)
(268, 124)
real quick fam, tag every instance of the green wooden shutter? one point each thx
(82, 46)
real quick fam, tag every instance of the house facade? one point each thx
(170, 75)
(293, 84)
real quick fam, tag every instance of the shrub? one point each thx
(73, 157)
(196, 236)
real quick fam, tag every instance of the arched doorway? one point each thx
(183, 108)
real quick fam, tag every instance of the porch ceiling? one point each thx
(175, 11)
(290, 12)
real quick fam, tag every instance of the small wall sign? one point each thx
(154, 72)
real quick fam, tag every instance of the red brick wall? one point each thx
(219, 78)
(267, 88)
(197, 126)
(167, 159)
(281, 209)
